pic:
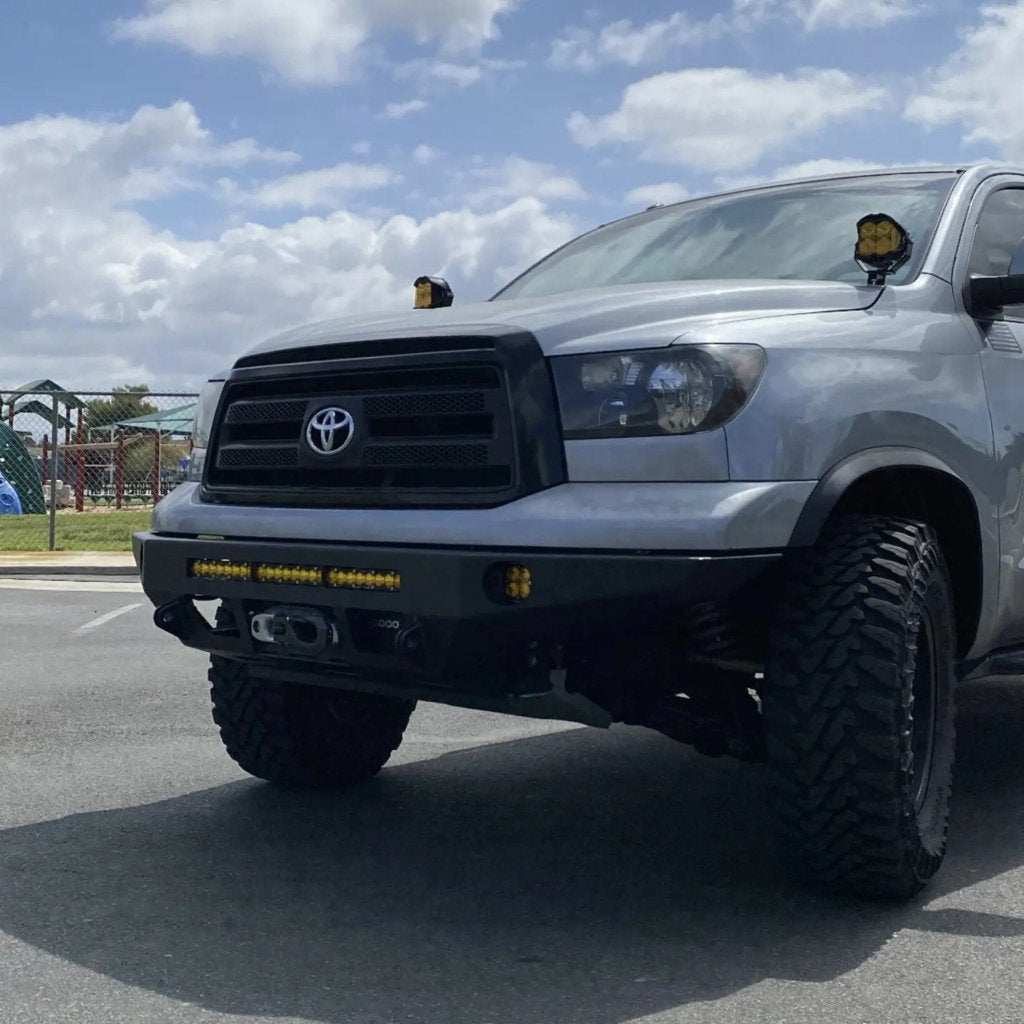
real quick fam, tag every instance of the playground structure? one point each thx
(19, 470)
(95, 470)
(120, 462)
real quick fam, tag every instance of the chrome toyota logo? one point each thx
(330, 431)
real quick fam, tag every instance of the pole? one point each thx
(80, 467)
(54, 440)
(156, 467)
(119, 471)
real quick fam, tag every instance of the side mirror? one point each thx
(988, 296)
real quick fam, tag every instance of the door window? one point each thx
(999, 234)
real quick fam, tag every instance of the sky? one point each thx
(183, 178)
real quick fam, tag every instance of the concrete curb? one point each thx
(68, 570)
(67, 563)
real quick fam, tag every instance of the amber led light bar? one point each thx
(296, 575)
(219, 569)
(299, 575)
(364, 579)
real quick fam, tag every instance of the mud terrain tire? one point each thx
(858, 708)
(303, 736)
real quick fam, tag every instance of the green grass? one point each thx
(81, 531)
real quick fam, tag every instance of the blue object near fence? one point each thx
(10, 503)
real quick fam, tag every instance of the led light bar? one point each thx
(297, 575)
(211, 569)
(364, 579)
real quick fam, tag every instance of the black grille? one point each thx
(426, 455)
(451, 404)
(266, 412)
(258, 457)
(441, 431)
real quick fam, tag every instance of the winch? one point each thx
(295, 629)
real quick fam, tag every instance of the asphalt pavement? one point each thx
(497, 872)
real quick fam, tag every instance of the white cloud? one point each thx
(823, 168)
(322, 188)
(658, 195)
(435, 73)
(459, 74)
(822, 15)
(622, 42)
(724, 119)
(311, 41)
(515, 178)
(394, 111)
(424, 154)
(980, 86)
(154, 153)
(844, 14)
(93, 294)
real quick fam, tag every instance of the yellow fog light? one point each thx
(883, 246)
(218, 569)
(518, 582)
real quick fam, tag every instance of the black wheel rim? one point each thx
(925, 690)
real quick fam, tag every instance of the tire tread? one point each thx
(837, 696)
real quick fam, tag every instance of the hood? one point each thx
(620, 317)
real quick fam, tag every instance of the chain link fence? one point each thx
(65, 454)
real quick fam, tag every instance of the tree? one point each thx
(125, 403)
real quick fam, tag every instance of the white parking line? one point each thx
(102, 620)
(72, 586)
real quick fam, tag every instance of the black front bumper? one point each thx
(469, 634)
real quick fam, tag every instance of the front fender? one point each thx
(870, 481)
(840, 478)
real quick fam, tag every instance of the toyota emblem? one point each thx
(330, 431)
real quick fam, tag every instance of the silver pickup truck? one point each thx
(748, 470)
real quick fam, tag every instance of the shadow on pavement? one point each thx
(574, 877)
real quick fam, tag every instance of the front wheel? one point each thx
(857, 707)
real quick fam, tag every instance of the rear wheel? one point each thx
(858, 708)
(300, 735)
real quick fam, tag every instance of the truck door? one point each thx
(998, 243)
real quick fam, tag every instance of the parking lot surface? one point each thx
(498, 870)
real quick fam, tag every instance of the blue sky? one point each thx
(184, 177)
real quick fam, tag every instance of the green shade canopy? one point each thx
(167, 421)
(34, 407)
(47, 387)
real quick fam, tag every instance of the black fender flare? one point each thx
(834, 484)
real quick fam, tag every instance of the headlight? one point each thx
(202, 426)
(678, 390)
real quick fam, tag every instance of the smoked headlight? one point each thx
(677, 390)
(202, 427)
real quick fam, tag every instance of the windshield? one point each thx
(793, 232)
